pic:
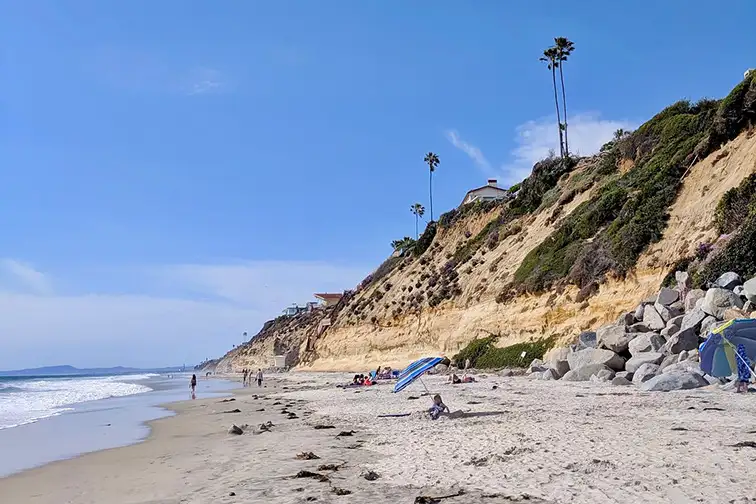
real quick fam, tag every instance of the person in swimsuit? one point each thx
(193, 384)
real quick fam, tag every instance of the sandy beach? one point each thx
(508, 440)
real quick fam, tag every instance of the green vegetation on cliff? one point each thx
(629, 211)
(484, 355)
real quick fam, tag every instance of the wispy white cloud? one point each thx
(535, 140)
(16, 275)
(184, 313)
(472, 151)
(205, 81)
(146, 72)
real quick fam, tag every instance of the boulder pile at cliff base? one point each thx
(654, 347)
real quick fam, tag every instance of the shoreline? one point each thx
(92, 426)
(510, 439)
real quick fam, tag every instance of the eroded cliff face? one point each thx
(390, 340)
(438, 301)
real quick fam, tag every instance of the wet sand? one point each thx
(523, 441)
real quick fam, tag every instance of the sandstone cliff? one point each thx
(575, 245)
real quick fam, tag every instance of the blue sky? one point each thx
(174, 174)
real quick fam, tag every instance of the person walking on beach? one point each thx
(259, 377)
(193, 384)
(244, 379)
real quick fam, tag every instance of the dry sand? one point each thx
(524, 441)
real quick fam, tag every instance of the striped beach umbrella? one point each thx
(415, 371)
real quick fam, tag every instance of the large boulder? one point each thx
(646, 342)
(549, 374)
(614, 338)
(668, 361)
(584, 373)
(586, 339)
(624, 374)
(557, 359)
(602, 376)
(626, 319)
(621, 381)
(728, 281)
(693, 319)
(692, 298)
(636, 361)
(717, 301)
(639, 327)
(639, 311)
(749, 307)
(645, 373)
(667, 296)
(537, 366)
(686, 339)
(749, 290)
(707, 325)
(686, 365)
(667, 313)
(588, 356)
(678, 380)
(684, 281)
(652, 319)
(676, 321)
(733, 314)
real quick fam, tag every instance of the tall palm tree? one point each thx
(550, 57)
(564, 48)
(432, 161)
(419, 211)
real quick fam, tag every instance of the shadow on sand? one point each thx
(477, 414)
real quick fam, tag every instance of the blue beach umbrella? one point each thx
(719, 356)
(415, 370)
(414, 366)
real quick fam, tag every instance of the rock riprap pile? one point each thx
(655, 346)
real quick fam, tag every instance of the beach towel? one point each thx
(394, 415)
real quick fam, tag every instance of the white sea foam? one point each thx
(29, 401)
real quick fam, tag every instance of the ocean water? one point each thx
(28, 399)
(45, 419)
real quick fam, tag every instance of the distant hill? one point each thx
(73, 371)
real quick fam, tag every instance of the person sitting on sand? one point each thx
(356, 380)
(437, 408)
(454, 379)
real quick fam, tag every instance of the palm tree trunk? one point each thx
(430, 184)
(564, 106)
(416, 235)
(559, 118)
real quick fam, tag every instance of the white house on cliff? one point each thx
(489, 192)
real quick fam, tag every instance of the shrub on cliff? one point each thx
(736, 205)
(630, 211)
(425, 240)
(484, 355)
